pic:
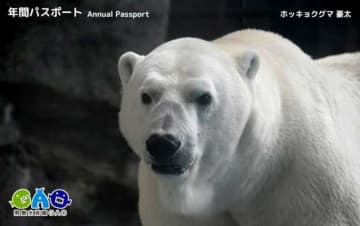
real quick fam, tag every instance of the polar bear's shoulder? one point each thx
(343, 59)
(347, 63)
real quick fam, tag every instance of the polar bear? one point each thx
(244, 130)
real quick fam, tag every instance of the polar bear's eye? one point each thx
(146, 98)
(204, 100)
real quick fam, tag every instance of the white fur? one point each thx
(279, 145)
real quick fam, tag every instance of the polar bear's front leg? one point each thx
(152, 213)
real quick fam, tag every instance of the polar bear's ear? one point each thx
(126, 65)
(248, 63)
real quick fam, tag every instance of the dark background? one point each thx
(59, 90)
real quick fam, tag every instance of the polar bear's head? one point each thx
(184, 108)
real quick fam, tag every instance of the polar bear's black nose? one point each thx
(162, 147)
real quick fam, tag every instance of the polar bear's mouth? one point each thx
(177, 166)
(169, 169)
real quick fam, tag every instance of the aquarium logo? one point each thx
(41, 205)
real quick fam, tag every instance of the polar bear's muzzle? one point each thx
(167, 156)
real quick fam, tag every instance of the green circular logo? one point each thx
(21, 199)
